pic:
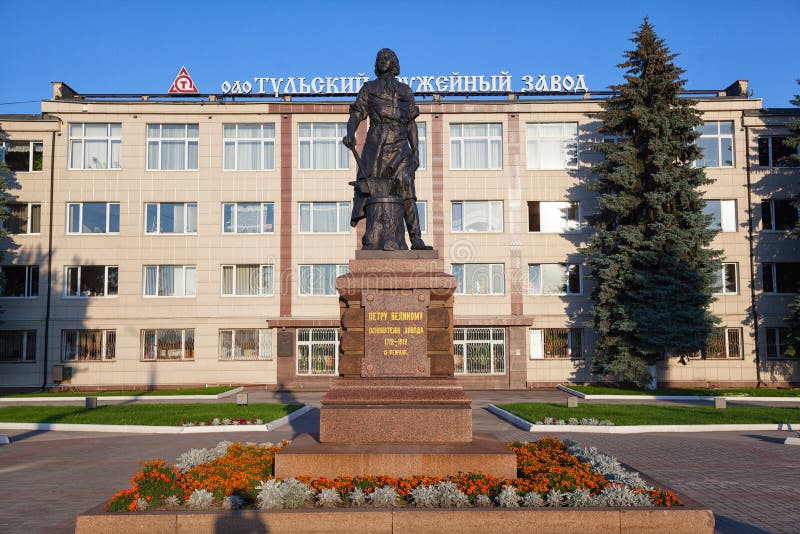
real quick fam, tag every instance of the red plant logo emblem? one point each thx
(183, 83)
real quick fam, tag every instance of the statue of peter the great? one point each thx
(384, 188)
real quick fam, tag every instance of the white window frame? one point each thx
(184, 268)
(772, 228)
(4, 149)
(31, 275)
(29, 216)
(725, 331)
(311, 269)
(721, 278)
(772, 163)
(459, 270)
(727, 210)
(310, 343)
(79, 268)
(536, 344)
(265, 140)
(261, 269)
(183, 358)
(28, 346)
(458, 141)
(538, 291)
(343, 210)
(237, 353)
(777, 333)
(718, 137)
(186, 207)
(342, 155)
(567, 140)
(422, 144)
(158, 141)
(80, 218)
(265, 207)
(112, 138)
(495, 226)
(460, 349)
(565, 226)
(107, 348)
(774, 273)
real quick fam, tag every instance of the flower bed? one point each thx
(574, 421)
(223, 422)
(235, 475)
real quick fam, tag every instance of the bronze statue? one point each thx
(384, 192)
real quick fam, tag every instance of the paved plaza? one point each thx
(749, 479)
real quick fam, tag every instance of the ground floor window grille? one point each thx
(168, 344)
(479, 351)
(89, 345)
(778, 344)
(556, 343)
(317, 351)
(724, 343)
(18, 346)
(245, 344)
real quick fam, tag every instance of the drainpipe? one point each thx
(750, 234)
(49, 260)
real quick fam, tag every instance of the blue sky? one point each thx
(138, 47)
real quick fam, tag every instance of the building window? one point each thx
(321, 146)
(89, 345)
(779, 214)
(554, 217)
(716, 144)
(476, 146)
(726, 280)
(168, 344)
(773, 152)
(724, 343)
(723, 214)
(479, 278)
(320, 279)
(93, 218)
(479, 351)
(422, 144)
(556, 343)
(170, 218)
(778, 343)
(245, 344)
(95, 146)
(23, 218)
(170, 280)
(553, 145)
(20, 281)
(554, 279)
(248, 147)
(172, 147)
(91, 281)
(17, 346)
(317, 351)
(477, 216)
(247, 280)
(22, 156)
(324, 217)
(781, 277)
(248, 218)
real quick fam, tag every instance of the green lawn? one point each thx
(143, 414)
(626, 414)
(188, 391)
(702, 392)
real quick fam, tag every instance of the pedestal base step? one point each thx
(307, 456)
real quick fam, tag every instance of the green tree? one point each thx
(650, 255)
(793, 141)
(793, 319)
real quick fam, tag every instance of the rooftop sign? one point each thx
(183, 83)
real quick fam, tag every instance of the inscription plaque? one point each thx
(396, 334)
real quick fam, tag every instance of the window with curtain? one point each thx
(554, 279)
(552, 145)
(248, 217)
(95, 146)
(476, 146)
(22, 156)
(247, 280)
(168, 344)
(248, 147)
(554, 217)
(172, 147)
(88, 345)
(547, 343)
(727, 279)
(479, 351)
(91, 281)
(245, 344)
(17, 345)
(422, 144)
(715, 143)
(479, 278)
(170, 280)
(23, 218)
(320, 279)
(477, 216)
(321, 146)
(324, 217)
(93, 218)
(170, 218)
(722, 213)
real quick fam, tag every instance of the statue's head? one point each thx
(387, 62)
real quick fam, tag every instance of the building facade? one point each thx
(167, 241)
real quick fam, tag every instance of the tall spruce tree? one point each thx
(650, 255)
(793, 319)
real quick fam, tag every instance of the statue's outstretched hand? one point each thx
(349, 141)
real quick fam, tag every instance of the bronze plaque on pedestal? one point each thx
(395, 334)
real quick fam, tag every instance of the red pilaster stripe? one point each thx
(286, 278)
(436, 149)
(514, 270)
